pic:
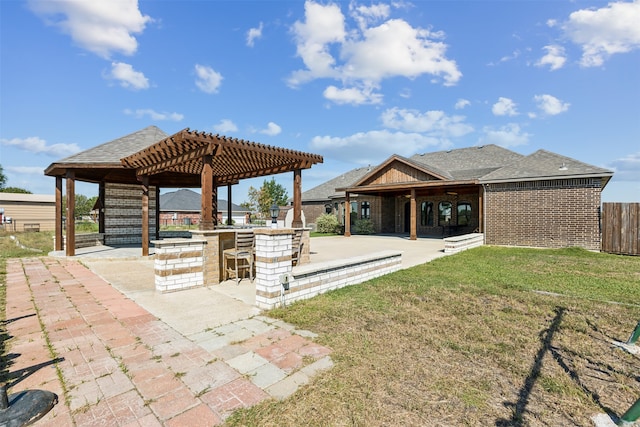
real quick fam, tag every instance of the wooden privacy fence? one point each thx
(621, 228)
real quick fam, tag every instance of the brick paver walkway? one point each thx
(112, 363)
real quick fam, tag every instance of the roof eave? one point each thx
(606, 176)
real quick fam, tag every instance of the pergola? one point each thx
(186, 158)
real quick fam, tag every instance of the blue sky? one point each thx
(352, 81)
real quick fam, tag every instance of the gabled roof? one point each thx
(185, 200)
(393, 161)
(545, 165)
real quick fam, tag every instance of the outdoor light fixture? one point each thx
(274, 211)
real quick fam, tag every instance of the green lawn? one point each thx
(491, 336)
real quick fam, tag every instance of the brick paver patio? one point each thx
(112, 363)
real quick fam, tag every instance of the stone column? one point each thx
(273, 259)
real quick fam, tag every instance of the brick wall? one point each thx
(178, 264)
(123, 214)
(551, 214)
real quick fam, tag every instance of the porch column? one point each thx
(413, 234)
(347, 215)
(297, 199)
(145, 215)
(157, 213)
(59, 239)
(480, 211)
(229, 210)
(71, 207)
(206, 184)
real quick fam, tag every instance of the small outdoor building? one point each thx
(540, 200)
(27, 212)
(131, 170)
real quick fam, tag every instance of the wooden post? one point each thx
(480, 211)
(71, 207)
(59, 238)
(297, 199)
(145, 215)
(229, 210)
(413, 233)
(347, 215)
(157, 214)
(206, 183)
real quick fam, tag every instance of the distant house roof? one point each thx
(327, 190)
(481, 164)
(185, 200)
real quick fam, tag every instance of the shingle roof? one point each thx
(544, 164)
(185, 200)
(113, 151)
(327, 190)
(468, 163)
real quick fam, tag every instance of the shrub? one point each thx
(363, 226)
(328, 223)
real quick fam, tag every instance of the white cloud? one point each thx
(605, 31)
(26, 170)
(627, 168)
(462, 103)
(434, 123)
(555, 57)
(352, 95)
(253, 34)
(37, 145)
(208, 80)
(101, 27)
(128, 77)
(375, 146)
(551, 105)
(272, 129)
(506, 136)
(367, 15)
(225, 125)
(504, 107)
(364, 56)
(154, 115)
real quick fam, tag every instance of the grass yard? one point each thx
(488, 337)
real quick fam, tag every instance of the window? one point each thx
(365, 210)
(354, 213)
(464, 213)
(426, 213)
(444, 213)
(328, 209)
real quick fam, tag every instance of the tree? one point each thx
(3, 178)
(271, 192)
(83, 204)
(14, 190)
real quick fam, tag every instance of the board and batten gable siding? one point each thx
(123, 214)
(30, 209)
(397, 172)
(545, 214)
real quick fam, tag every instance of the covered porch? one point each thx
(132, 169)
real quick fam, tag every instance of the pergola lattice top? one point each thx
(232, 159)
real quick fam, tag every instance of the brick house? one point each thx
(540, 200)
(183, 207)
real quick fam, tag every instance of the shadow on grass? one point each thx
(546, 338)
